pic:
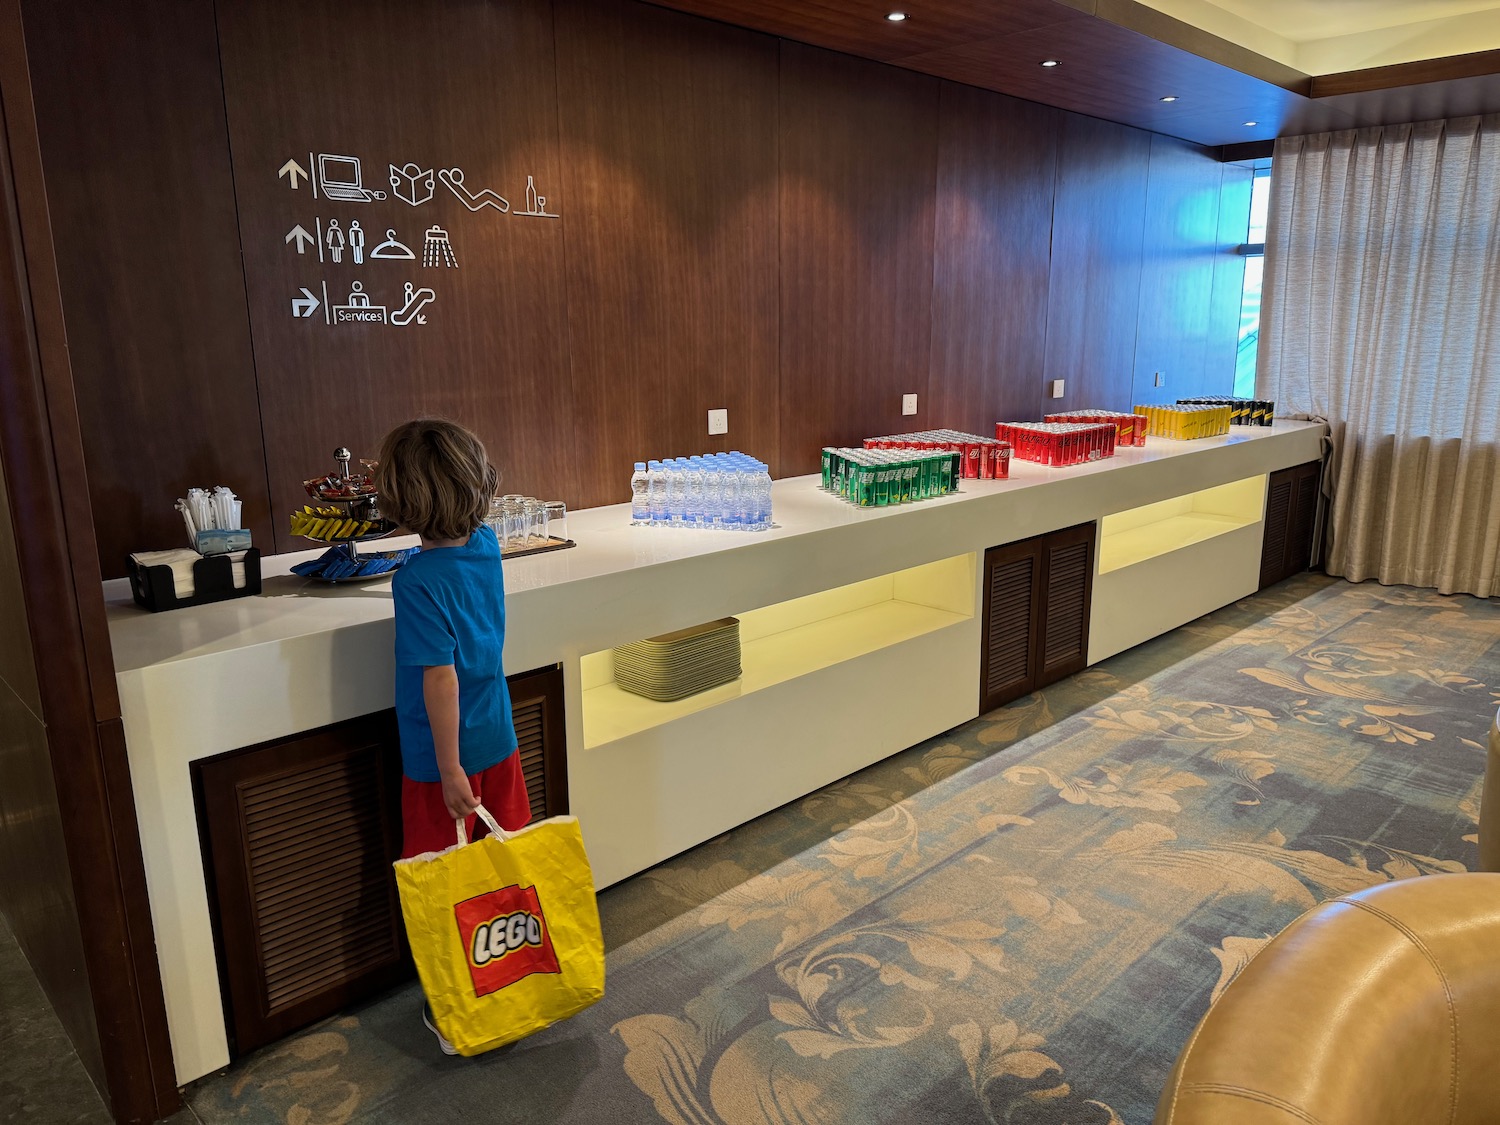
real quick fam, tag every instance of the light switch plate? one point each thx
(1161, 378)
(718, 422)
(1057, 388)
(908, 404)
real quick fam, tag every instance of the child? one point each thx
(458, 744)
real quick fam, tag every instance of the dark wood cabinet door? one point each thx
(1037, 594)
(1012, 587)
(299, 837)
(1291, 517)
(1067, 589)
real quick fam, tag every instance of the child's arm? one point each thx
(440, 693)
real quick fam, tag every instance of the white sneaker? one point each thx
(427, 1021)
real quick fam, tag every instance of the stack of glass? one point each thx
(878, 478)
(983, 458)
(715, 491)
(1060, 443)
(1186, 423)
(524, 523)
(1132, 427)
(1243, 411)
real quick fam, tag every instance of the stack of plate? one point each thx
(677, 665)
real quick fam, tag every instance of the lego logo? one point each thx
(505, 934)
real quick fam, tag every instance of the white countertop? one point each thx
(207, 680)
(290, 607)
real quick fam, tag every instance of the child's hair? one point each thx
(435, 479)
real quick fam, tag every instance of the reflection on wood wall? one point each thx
(798, 236)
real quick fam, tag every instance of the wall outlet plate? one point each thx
(718, 422)
(908, 404)
(1057, 388)
(1161, 378)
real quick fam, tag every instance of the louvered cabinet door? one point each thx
(536, 704)
(1067, 587)
(1292, 497)
(1012, 585)
(299, 839)
(301, 836)
(1278, 513)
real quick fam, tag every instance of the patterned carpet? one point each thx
(1019, 921)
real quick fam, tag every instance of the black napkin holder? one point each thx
(213, 581)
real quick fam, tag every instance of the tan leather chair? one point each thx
(1378, 1008)
(1489, 806)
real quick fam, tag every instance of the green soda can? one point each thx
(827, 468)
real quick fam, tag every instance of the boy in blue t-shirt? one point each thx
(458, 744)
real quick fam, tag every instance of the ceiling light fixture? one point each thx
(896, 17)
(1251, 124)
(1170, 98)
(1051, 62)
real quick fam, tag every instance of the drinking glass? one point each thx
(556, 526)
(514, 514)
(535, 522)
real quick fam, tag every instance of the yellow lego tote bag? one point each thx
(504, 931)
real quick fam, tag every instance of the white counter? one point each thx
(202, 681)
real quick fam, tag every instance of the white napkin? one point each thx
(181, 561)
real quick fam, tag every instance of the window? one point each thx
(1254, 251)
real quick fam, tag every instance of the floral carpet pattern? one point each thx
(1019, 921)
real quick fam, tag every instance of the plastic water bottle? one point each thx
(693, 512)
(656, 482)
(677, 491)
(640, 497)
(729, 487)
(745, 501)
(761, 483)
(713, 494)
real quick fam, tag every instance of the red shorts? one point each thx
(426, 825)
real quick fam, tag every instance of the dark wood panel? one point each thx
(17, 666)
(1094, 291)
(470, 86)
(72, 842)
(1012, 611)
(668, 124)
(858, 165)
(36, 882)
(1177, 275)
(272, 922)
(544, 758)
(997, 167)
(1475, 64)
(860, 27)
(1067, 589)
(143, 220)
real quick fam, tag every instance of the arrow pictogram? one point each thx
(302, 237)
(291, 169)
(306, 304)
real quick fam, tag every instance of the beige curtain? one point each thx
(1381, 314)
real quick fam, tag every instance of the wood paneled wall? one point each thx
(796, 235)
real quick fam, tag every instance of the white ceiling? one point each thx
(1327, 36)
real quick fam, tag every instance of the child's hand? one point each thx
(459, 796)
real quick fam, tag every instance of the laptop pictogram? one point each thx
(341, 179)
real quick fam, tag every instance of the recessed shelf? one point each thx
(796, 638)
(1134, 536)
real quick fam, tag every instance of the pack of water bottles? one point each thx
(714, 492)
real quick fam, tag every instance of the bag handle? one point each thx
(490, 822)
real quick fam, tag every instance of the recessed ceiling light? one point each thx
(1051, 62)
(896, 17)
(1170, 98)
(1250, 124)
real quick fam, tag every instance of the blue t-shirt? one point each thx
(450, 609)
